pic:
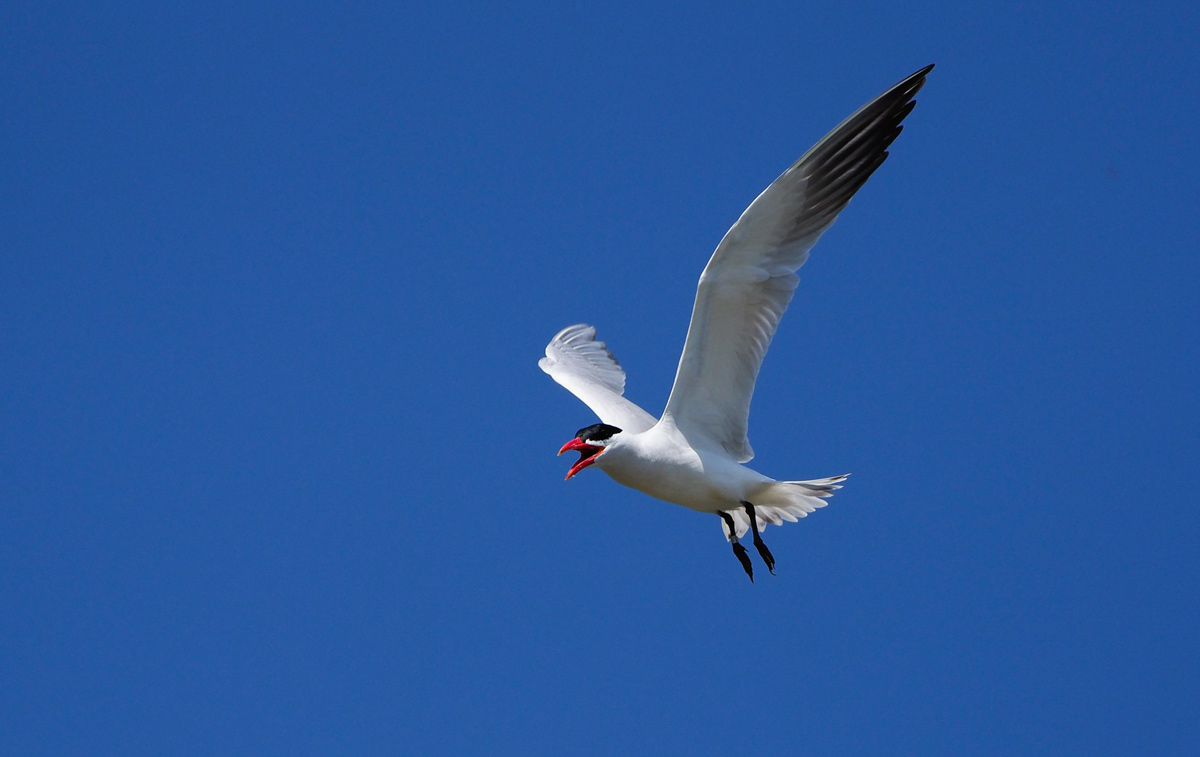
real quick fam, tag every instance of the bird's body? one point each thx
(661, 463)
(694, 454)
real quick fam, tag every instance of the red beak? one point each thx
(587, 454)
(573, 444)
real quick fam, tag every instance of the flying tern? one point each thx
(693, 455)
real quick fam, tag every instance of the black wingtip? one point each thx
(921, 72)
(915, 80)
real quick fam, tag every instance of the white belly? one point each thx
(669, 470)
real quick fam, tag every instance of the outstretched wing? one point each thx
(750, 279)
(589, 371)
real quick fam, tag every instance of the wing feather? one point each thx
(751, 277)
(587, 369)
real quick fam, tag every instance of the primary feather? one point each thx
(587, 369)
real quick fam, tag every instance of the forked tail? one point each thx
(786, 500)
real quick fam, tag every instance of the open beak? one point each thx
(587, 455)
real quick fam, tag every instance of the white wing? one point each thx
(589, 371)
(748, 283)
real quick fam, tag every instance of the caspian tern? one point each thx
(693, 455)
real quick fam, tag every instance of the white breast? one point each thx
(662, 464)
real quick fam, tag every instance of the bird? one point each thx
(694, 455)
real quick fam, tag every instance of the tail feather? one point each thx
(786, 501)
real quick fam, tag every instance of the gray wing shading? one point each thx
(749, 281)
(589, 371)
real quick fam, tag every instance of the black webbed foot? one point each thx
(765, 553)
(738, 550)
(759, 544)
(744, 559)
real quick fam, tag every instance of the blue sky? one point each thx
(278, 470)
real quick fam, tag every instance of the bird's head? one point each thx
(589, 442)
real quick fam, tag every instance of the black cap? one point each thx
(597, 433)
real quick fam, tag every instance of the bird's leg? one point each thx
(738, 549)
(763, 552)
